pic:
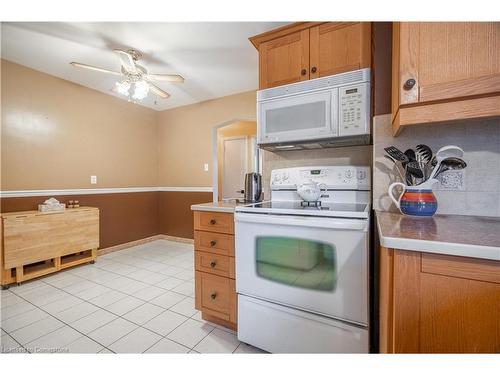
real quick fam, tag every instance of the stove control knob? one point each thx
(348, 173)
(361, 175)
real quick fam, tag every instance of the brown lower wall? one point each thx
(124, 217)
(176, 217)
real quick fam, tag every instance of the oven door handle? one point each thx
(303, 221)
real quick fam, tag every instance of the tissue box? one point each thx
(51, 207)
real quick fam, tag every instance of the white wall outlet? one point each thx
(451, 180)
(93, 180)
(205, 167)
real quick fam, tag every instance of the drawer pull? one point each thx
(213, 243)
(213, 222)
(213, 263)
(213, 295)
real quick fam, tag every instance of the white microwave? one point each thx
(330, 111)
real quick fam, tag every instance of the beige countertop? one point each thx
(469, 236)
(221, 206)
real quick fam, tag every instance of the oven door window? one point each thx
(296, 262)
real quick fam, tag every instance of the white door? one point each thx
(310, 263)
(234, 166)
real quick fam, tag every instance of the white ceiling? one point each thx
(215, 58)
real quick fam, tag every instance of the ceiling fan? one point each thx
(135, 75)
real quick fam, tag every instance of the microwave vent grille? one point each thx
(356, 76)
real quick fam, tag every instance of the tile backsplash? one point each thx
(355, 155)
(480, 141)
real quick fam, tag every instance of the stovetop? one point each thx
(313, 206)
(327, 209)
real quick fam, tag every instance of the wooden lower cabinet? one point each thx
(432, 303)
(215, 287)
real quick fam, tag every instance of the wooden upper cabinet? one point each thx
(337, 47)
(284, 60)
(442, 65)
(306, 50)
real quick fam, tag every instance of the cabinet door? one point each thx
(436, 307)
(458, 315)
(338, 47)
(447, 60)
(284, 60)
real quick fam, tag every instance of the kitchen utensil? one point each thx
(399, 167)
(310, 191)
(410, 154)
(449, 151)
(415, 200)
(450, 164)
(425, 153)
(423, 157)
(253, 187)
(396, 154)
(445, 152)
(413, 168)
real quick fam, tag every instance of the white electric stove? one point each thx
(302, 268)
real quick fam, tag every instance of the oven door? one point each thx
(310, 263)
(298, 118)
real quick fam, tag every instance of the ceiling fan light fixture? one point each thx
(123, 87)
(141, 90)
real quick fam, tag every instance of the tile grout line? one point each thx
(117, 316)
(144, 302)
(64, 323)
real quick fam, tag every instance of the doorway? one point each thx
(236, 156)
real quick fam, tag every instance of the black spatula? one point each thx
(396, 154)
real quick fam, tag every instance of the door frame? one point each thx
(215, 167)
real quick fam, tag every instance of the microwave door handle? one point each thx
(303, 221)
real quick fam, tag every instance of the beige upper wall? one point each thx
(55, 134)
(185, 137)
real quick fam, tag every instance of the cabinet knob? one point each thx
(213, 243)
(213, 221)
(314, 69)
(213, 295)
(303, 72)
(213, 263)
(409, 84)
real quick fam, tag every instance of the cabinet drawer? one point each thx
(214, 263)
(214, 222)
(216, 295)
(216, 243)
(461, 267)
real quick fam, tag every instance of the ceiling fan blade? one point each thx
(127, 61)
(162, 94)
(166, 77)
(96, 68)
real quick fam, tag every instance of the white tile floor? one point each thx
(138, 300)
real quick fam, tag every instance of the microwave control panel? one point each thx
(354, 109)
